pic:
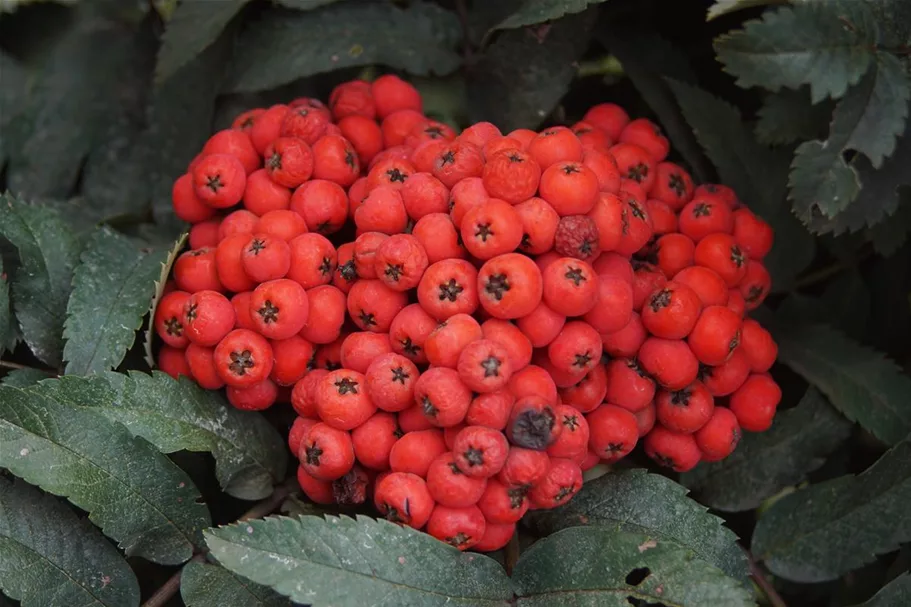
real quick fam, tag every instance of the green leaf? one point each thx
(787, 116)
(66, 113)
(826, 44)
(723, 7)
(859, 382)
(846, 303)
(756, 173)
(136, 495)
(6, 319)
(48, 556)
(897, 592)
(521, 77)
(23, 378)
(866, 120)
(284, 45)
(193, 26)
(634, 500)
(532, 12)
(888, 236)
(343, 561)
(826, 530)
(766, 462)
(41, 285)
(13, 99)
(612, 568)
(164, 272)
(112, 288)
(250, 455)
(647, 59)
(303, 5)
(205, 585)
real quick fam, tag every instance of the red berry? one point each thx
(390, 382)
(716, 335)
(558, 486)
(669, 361)
(169, 319)
(415, 451)
(219, 180)
(265, 258)
(243, 358)
(279, 308)
(673, 450)
(755, 402)
(450, 486)
(480, 452)
(462, 528)
(672, 311)
(403, 498)
(374, 440)
(327, 453)
(719, 436)
(207, 317)
(532, 423)
(685, 410)
(613, 432)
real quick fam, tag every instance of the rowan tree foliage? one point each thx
(121, 486)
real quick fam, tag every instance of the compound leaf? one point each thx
(284, 45)
(756, 173)
(136, 495)
(634, 500)
(896, 592)
(532, 12)
(766, 462)
(112, 288)
(193, 26)
(48, 556)
(860, 382)
(6, 319)
(205, 585)
(48, 252)
(614, 568)
(827, 45)
(343, 561)
(822, 532)
(787, 116)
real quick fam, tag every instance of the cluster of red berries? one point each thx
(466, 322)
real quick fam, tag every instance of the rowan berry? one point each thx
(635, 225)
(511, 175)
(673, 252)
(571, 188)
(480, 133)
(245, 120)
(204, 234)
(685, 410)
(352, 98)
(510, 286)
(409, 331)
(647, 135)
(673, 450)
(587, 394)
(173, 362)
(292, 357)
(577, 236)
(392, 94)
(490, 409)
(442, 396)
(607, 215)
(539, 225)
(448, 482)
(591, 137)
(234, 143)
(415, 451)
(533, 381)
(670, 362)
(342, 399)
(413, 419)
(721, 193)
(609, 117)
(240, 221)
(336, 160)
(279, 308)
(495, 537)
(449, 287)
(500, 144)
(461, 528)
(577, 349)
(615, 265)
(241, 304)
(425, 154)
(243, 358)
(702, 217)
(572, 442)
(479, 451)
(298, 431)
(645, 419)
(438, 237)
(757, 346)
(509, 336)
(719, 436)
(664, 220)
(253, 398)
(390, 381)
(289, 161)
(628, 385)
(458, 160)
(169, 319)
(490, 229)
(625, 342)
(483, 365)
(752, 234)
(403, 498)
(365, 137)
(365, 247)
(310, 103)
(532, 423)
(635, 163)
(396, 126)
(390, 172)
(614, 307)
(553, 145)
(673, 186)
(613, 432)
(464, 196)
(716, 335)
(265, 258)
(382, 211)
(708, 285)
(202, 367)
(327, 453)
(374, 440)
(207, 317)
(346, 271)
(303, 395)
(563, 378)
(372, 305)
(755, 284)
(305, 123)
(283, 224)
(719, 252)
(323, 205)
(570, 287)
(502, 506)
(196, 270)
(755, 402)
(558, 486)
(361, 347)
(736, 303)
(188, 206)
(312, 260)
(424, 194)
(672, 311)
(647, 278)
(317, 491)
(267, 127)
(429, 130)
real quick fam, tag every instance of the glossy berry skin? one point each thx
(327, 453)
(279, 308)
(202, 366)
(625, 343)
(390, 382)
(523, 467)
(445, 343)
(708, 285)
(685, 410)
(558, 486)
(265, 258)
(571, 188)
(570, 287)
(757, 346)
(755, 285)
(254, 398)
(755, 402)
(484, 366)
(716, 335)
(703, 217)
(243, 358)
(628, 385)
(589, 393)
(196, 270)
(219, 180)
(442, 396)
(502, 505)
(669, 361)
(490, 229)
(720, 252)
(509, 286)
(752, 234)
(553, 145)
(403, 498)
(360, 348)
(416, 450)
(673, 450)
(408, 332)
(169, 319)
(511, 175)
(289, 161)
(723, 379)
(207, 317)
(342, 399)
(613, 432)
(374, 439)
(317, 491)
(576, 349)
(719, 436)
(187, 205)
(400, 261)
(461, 528)
(451, 487)
(518, 346)
(672, 311)
(490, 409)
(449, 287)
(372, 305)
(480, 452)
(572, 441)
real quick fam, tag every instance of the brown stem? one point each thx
(511, 557)
(259, 510)
(764, 584)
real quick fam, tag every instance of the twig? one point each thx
(259, 510)
(7, 364)
(764, 584)
(511, 556)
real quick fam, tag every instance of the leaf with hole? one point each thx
(136, 495)
(206, 585)
(826, 530)
(41, 285)
(634, 500)
(766, 462)
(343, 561)
(112, 288)
(48, 556)
(826, 45)
(284, 45)
(613, 568)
